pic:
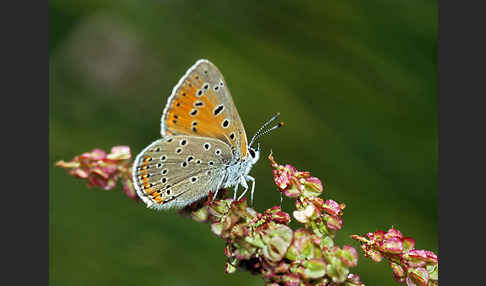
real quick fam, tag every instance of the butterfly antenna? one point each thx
(280, 124)
(257, 134)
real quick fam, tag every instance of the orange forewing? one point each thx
(191, 114)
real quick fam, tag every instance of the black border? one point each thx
(25, 118)
(461, 142)
(25, 121)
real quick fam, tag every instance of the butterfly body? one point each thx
(236, 172)
(203, 146)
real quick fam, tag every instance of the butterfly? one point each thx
(203, 147)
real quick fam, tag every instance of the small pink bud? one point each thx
(417, 254)
(349, 256)
(392, 232)
(393, 245)
(282, 179)
(417, 277)
(431, 257)
(415, 258)
(408, 243)
(312, 187)
(119, 153)
(379, 235)
(331, 207)
(281, 217)
(334, 222)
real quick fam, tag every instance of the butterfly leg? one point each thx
(245, 185)
(217, 190)
(236, 189)
(250, 178)
(215, 194)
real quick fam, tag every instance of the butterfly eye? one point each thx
(252, 153)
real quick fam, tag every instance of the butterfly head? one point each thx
(255, 153)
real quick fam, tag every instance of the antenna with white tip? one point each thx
(260, 131)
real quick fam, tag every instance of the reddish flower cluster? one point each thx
(264, 244)
(323, 216)
(411, 266)
(103, 170)
(293, 183)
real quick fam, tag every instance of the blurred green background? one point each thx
(356, 85)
